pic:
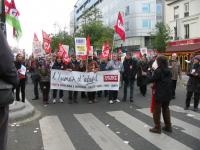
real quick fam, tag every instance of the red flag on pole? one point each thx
(63, 52)
(46, 42)
(35, 38)
(105, 50)
(119, 27)
(88, 45)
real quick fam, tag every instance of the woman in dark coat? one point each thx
(162, 79)
(193, 84)
(19, 64)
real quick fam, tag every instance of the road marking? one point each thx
(162, 141)
(103, 136)
(194, 115)
(187, 128)
(54, 135)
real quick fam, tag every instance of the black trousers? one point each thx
(45, 88)
(55, 93)
(196, 99)
(143, 89)
(73, 95)
(36, 83)
(126, 84)
(91, 96)
(99, 93)
(174, 82)
(4, 111)
(21, 87)
(113, 95)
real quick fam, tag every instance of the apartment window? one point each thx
(159, 9)
(176, 14)
(127, 11)
(146, 8)
(126, 26)
(146, 23)
(186, 9)
(187, 31)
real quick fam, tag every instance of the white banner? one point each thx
(85, 81)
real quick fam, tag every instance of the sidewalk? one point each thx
(20, 111)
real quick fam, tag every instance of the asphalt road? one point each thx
(123, 125)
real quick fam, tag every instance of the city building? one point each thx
(140, 18)
(183, 18)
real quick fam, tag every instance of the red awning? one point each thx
(184, 48)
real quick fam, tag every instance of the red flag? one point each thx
(119, 27)
(105, 50)
(88, 45)
(46, 42)
(63, 52)
(35, 37)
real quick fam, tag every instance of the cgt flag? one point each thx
(119, 27)
(63, 53)
(46, 42)
(12, 15)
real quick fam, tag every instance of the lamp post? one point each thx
(2, 16)
(75, 19)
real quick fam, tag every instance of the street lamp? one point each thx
(2, 16)
(74, 19)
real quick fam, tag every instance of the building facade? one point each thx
(140, 18)
(183, 18)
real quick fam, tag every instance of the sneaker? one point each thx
(117, 100)
(61, 100)
(54, 101)
(90, 102)
(111, 102)
(195, 109)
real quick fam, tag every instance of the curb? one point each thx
(21, 111)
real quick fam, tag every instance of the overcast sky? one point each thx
(38, 15)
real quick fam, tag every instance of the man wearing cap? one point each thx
(193, 84)
(175, 67)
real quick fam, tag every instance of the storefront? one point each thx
(184, 49)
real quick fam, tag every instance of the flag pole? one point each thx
(3, 16)
(113, 44)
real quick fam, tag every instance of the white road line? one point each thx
(103, 136)
(162, 141)
(191, 113)
(54, 135)
(188, 128)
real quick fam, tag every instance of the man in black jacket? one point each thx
(129, 70)
(8, 74)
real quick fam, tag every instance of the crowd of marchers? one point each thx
(131, 69)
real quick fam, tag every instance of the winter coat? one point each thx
(114, 65)
(74, 65)
(129, 70)
(8, 71)
(18, 66)
(102, 66)
(162, 79)
(58, 66)
(193, 84)
(175, 68)
(44, 73)
(142, 79)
